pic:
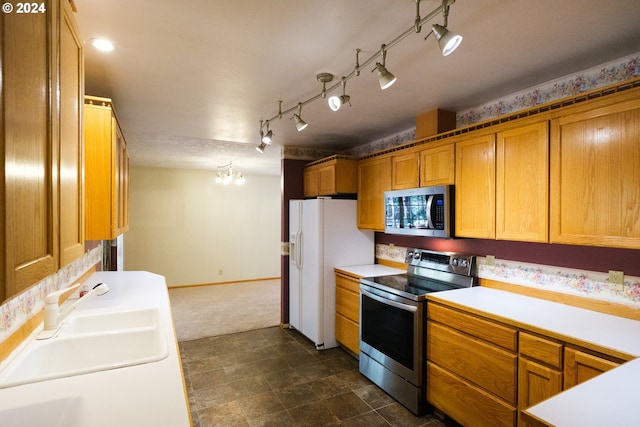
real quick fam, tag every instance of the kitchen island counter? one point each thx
(608, 399)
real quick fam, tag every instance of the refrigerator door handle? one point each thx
(299, 249)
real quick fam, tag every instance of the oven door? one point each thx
(391, 332)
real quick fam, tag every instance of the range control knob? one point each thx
(416, 255)
(454, 261)
(464, 263)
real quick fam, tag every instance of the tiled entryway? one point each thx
(275, 377)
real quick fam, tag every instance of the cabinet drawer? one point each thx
(348, 283)
(473, 325)
(464, 402)
(486, 365)
(348, 333)
(540, 349)
(348, 304)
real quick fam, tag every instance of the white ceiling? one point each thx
(192, 79)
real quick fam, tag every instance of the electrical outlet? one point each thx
(616, 280)
(491, 260)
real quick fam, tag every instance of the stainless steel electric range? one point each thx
(392, 321)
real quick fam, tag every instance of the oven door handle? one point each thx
(392, 303)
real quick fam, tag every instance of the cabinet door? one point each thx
(522, 183)
(28, 122)
(580, 366)
(536, 383)
(475, 187)
(310, 182)
(327, 180)
(71, 83)
(595, 165)
(437, 165)
(374, 178)
(99, 167)
(404, 171)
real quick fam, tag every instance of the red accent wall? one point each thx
(592, 258)
(292, 188)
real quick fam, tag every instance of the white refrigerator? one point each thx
(323, 235)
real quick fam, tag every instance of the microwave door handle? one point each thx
(429, 220)
(395, 304)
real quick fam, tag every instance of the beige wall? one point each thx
(187, 228)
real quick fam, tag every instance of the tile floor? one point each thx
(275, 377)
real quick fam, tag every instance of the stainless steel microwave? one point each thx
(426, 211)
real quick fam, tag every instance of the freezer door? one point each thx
(295, 216)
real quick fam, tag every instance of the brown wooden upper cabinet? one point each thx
(437, 164)
(330, 176)
(106, 173)
(595, 170)
(374, 178)
(404, 170)
(43, 84)
(502, 184)
(522, 183)
(475, 187)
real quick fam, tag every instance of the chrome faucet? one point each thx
(53, 316)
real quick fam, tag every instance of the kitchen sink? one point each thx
(90, 344)
(111, 322)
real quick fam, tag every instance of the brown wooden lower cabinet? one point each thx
(348, 311)
(476, 377)
(465, 402)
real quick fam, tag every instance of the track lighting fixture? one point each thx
(300, 124)
(385, 78)
(335, 102)
(447, 41)
(226, 174)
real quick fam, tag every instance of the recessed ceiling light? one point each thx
(102, 44)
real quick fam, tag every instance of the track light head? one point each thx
(267, 138)
(260, 148)
(335, 102)
(447, 41)
(300, 124)
(385, 77)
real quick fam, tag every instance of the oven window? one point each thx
(388, 329)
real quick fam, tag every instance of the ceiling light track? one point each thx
(385, 77)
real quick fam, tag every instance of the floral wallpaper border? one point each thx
(16, 311)
(605, 74)
(590, 284)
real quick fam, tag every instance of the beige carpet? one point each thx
(207, 311)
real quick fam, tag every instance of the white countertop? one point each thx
(371, 270)
(610, 398)
(150, 394)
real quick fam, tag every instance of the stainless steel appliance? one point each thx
(425, 211)
(393, 316)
